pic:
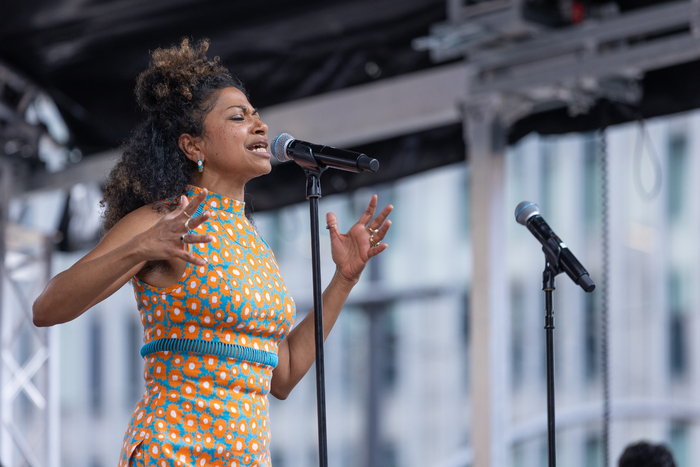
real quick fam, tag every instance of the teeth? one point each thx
(259, 149)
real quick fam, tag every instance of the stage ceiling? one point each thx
(87, 53)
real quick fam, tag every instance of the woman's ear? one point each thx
(190, 146)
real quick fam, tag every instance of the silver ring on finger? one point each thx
(182, 238)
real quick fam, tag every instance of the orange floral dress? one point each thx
(211, 344)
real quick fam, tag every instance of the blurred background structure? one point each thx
(585, 107)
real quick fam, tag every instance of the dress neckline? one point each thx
(217, 202)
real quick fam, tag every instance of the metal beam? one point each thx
(572, 70)
(94, 168)
(569, 66)
(584, 37)
(376, 111)
(358, 115)
(624, 409)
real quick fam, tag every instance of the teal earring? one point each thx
(200, 165)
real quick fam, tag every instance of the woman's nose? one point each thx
(261, 128)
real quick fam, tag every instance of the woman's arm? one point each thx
(351, 252)
(141, 236)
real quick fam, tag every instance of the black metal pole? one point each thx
(313, 194)
(376, 367)
(548, 285)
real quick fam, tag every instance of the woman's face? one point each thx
(234, 141)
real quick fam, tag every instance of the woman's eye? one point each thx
(238, 118)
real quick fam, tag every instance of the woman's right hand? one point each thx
(139, 237)
(169, 238)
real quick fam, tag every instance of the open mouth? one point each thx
(258, 147)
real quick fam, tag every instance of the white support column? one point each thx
(487, 119)
(5, 191)
(29, 398)
(489, 324)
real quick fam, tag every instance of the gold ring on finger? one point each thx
(187, 224)
(185, 213)
(374, 243)
(371, 230)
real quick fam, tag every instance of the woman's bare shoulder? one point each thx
(140, 219)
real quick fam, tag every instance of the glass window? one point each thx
(547, 157)
(134, 331)
(594, 451)
(590, 338)
(517, 327)
(678, 363)
(592, 196)
(679, 437)
(96, 365)
(677, 152)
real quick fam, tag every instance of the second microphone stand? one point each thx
(548, 286)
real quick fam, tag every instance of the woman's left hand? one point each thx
(352, 250)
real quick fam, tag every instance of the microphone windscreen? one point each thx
(525, 210)
(279, 147)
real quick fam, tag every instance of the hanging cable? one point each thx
(644, 139)
(605, 243)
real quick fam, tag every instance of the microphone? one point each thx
(528, 214)
(308, 155)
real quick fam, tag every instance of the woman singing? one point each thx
(217, 317)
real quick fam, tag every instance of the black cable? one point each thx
(605, 243)
(644, 139)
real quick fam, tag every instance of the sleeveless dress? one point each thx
(211, 344)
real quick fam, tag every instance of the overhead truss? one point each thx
(572, 66)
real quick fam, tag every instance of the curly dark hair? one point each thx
(645, 454)
(176, 92)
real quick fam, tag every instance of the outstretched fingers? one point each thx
(185, 222)
(194, 222)
(186, 255)
(187, 208)
(378, 222)
(366, 216)
(181, 205)
(375, 250)
(381, 232)
(332, 225)
(189, 239)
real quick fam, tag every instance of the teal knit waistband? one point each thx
(219, 349)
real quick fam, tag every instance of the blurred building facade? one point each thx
(397, 363)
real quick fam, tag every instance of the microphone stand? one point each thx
(305, 159)
(548, 286)
(558, 259)
(313, 194)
